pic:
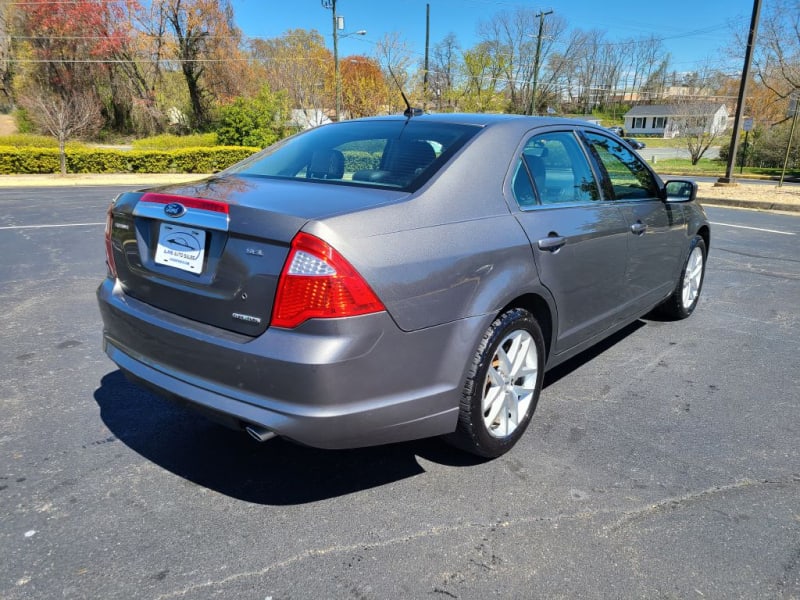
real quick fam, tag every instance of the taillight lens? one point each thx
(318, 283)
(112, 267)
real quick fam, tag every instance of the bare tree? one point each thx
(588, 67)
(699, 124)
(482, 72)
(443, 71)
(299, 63)
(511, 37)
(62, 117)
(647, 53)
(394, 54)
(777, 58)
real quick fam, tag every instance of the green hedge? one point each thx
(357, 160)
(186, 160)
(168, 141)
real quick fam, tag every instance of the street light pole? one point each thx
(337, 80)
(337, 77)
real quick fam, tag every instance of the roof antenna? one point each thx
(409, 111)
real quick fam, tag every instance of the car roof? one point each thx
(488, 119)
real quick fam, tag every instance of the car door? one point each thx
(656, 227)
(579, 241)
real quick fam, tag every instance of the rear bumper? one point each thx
(338, 383)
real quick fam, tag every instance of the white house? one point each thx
(306, 118)
(670, 120)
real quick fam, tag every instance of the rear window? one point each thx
(400, 154)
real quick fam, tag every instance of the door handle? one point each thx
(551, 243)
(638, 228)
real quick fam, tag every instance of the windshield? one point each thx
(400, 153)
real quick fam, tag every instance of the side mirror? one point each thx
(680, 190)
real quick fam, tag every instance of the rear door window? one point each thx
(553, 169)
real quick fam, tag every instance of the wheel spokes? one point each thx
(518, 353)
(510, 383)
(692, 277)
(493, 403)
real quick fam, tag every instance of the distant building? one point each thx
(670, 120)
(306, 118)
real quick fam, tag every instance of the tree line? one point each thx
(139, 68)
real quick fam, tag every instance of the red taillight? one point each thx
(318, 283)
(112, 267)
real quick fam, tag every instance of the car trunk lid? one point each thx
(213, 252)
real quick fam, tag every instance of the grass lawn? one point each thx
(714, 168)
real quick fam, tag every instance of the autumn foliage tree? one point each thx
(72, 42)
(80, 48)
(299, 63)
(206, 44)
(364, 89)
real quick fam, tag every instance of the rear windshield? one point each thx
(400, 154)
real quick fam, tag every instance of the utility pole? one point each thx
(337, 80)
(751, 40)
(427, 46)
(338, 23)
(795, 98)
(540, 16)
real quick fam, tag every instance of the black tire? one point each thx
(518, 333)
(680, 304)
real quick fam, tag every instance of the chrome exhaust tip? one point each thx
(260, 434)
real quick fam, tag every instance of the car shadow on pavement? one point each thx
(574, 363)
(276, 472)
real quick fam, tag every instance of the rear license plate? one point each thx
(181, 247)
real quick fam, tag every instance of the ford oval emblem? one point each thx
(175, 209)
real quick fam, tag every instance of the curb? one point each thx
(752, 204)
(94, 180)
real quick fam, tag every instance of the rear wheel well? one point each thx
(704, 233)
(537, 306)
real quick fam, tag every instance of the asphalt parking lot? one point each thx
(664, 463)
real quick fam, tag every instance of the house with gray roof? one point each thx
(671, 120)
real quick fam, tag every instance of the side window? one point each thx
(522, 187)
(558, 168)
(630, 179)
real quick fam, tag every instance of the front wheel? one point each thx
(684, 298)
(503, 385)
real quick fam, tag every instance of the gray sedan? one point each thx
(386, 279)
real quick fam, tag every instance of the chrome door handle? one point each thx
(552, 243)
(638, 228)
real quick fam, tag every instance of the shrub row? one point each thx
(356, 160)
(185, 160)
(168, 141)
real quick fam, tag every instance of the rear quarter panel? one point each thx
(450, 251)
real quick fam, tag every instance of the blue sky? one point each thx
(693, 31)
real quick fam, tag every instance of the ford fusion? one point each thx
(393, 278)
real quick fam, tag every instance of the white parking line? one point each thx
(49, 226)
(754, 228)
